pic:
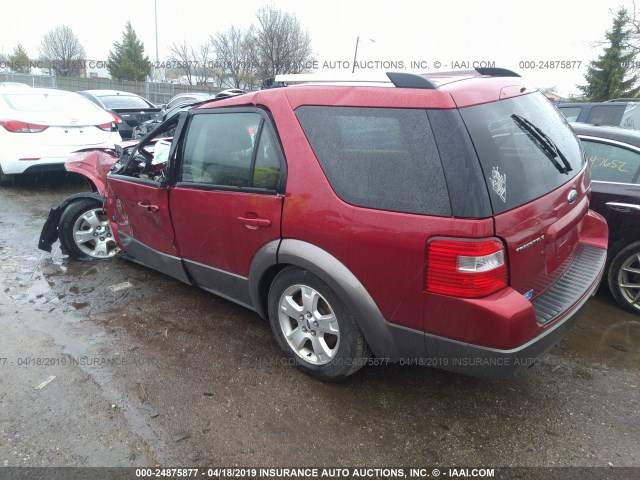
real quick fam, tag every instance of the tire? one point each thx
(624, 277)
(85, 233)
(7, 180)
(320, 336)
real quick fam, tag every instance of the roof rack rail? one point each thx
(496, 72)
(398, 79)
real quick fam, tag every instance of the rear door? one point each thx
(535, 172)
(227, 201)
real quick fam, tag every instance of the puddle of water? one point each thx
(605, 334)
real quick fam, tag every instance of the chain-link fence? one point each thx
(157, 93)
(42, 81)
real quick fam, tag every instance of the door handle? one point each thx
(622, 207)
(255, 222)
(147, 206)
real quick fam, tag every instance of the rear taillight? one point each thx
(116, 118)
(465, 268)
(107, 127)
(16, 126)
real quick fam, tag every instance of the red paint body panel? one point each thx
(141, 212)
(536, 266)
(209, 230)
(93, 164)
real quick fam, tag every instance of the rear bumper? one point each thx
(554, 313)
(481, 361)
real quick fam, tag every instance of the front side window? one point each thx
(612, 163)
(222, 149)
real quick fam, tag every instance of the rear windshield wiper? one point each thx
(544, 143)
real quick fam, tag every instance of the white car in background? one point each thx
(40, 128)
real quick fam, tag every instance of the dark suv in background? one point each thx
(440, 219)
(614, 156)
(617, 113)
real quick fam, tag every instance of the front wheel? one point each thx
(85, 233)
(624, 278)
(313, 326)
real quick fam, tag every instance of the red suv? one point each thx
(441, 220)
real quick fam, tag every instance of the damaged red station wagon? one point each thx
(439, 219)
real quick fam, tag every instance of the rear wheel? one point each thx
(85, 233)
(624, 277)
(314, 327)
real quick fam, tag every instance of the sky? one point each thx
(527, 37)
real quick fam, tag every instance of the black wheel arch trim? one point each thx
(49, 234)
(386, 340)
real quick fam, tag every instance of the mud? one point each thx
(142, 366)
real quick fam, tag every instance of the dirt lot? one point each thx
(158, 373)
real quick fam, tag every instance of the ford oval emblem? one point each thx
(571, 197)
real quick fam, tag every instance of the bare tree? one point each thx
(281, 46)
(204, 67)
(234, 57)
(182, 55)
(62, 50)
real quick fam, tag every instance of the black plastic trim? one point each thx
(582, 272)
(497, 72)
(410, 80)
(149, 257)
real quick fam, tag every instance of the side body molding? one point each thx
(383, 338)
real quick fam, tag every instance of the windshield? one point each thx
(525, 146)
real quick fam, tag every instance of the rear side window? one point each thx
(610, 163)
(606, 115)
(525, 146)
(380, 158)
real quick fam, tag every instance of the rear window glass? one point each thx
(525, 146)
(380, 158)
(124, 101)
(39, 102)
(610, 163)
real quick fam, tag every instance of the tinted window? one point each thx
(571, 113)
(606, 115)
(610, 163)
(124, 101)
(219, 150)
(509, 137)
(380, 158)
